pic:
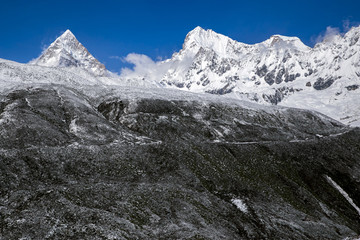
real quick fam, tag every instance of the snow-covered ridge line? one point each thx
(346, 196)
(209, 38)
(209, 60)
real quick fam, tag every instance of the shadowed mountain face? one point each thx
(117, 167)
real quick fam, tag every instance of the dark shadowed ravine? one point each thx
(147, 168)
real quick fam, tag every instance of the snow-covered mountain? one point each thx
(214, 63)
(281, 70)
(67, 51)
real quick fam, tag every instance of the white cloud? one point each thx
(144, 67)
(329, 34)
(139, 60)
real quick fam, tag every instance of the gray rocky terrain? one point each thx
(76, 165)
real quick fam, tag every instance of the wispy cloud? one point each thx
(159, 58)
(117, 58)
(44, 46)
(331, 32)
(328, 35)
(348, 24)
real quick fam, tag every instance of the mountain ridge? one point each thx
(279, 71)
(199, 39)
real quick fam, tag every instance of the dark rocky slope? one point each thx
(156, 169)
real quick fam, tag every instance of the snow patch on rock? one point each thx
(240, 204)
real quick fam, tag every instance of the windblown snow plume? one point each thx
(329, 34)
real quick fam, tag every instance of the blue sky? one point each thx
(158, 28)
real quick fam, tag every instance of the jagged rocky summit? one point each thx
(215, 63)
(67, 51)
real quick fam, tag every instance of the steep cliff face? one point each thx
(67, 51)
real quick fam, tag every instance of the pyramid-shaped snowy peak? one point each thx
(67, 51)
